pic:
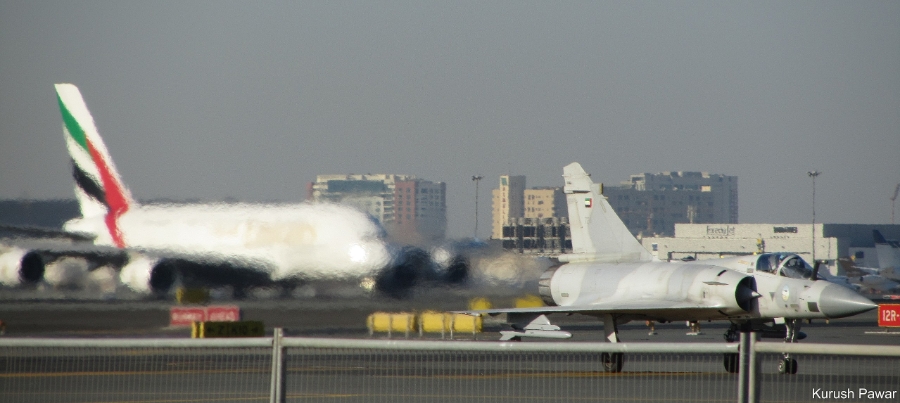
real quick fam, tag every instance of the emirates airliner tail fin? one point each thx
(98, 187)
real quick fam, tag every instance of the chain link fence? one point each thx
(434, 371)
(134, 370)
(275, 369)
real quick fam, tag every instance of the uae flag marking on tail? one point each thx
(588, 202)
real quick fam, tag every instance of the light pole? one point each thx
(477, 179)
(813, 175)
(894, 199)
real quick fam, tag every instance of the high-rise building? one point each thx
(651, 204)
(508, 201)
(545, 202)
(410, 209)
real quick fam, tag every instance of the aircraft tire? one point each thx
(787, 366)
(732, 363)
(612, 362)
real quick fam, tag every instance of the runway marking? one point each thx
(570, 374)
(498, 397)
(575, 375)
(175, 400)
(396, 395)
(110, 373)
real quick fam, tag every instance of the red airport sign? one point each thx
(183, 316)
(223, 314)
(889, 315)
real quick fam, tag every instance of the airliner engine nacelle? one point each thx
(20, 266)
(146, 274)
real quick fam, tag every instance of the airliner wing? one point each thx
(41, 232)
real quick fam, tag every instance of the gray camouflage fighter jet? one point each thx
(609, 275)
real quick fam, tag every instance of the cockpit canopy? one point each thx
(785, 265)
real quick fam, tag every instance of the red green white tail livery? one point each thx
(98, 187)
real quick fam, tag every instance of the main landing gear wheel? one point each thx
(788, 366)
(732, 362)
(612, 362)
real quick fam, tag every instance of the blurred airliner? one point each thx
(152, 247)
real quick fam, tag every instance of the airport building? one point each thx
(410, 209)
(832, 242)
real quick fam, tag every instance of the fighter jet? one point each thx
(610, 276)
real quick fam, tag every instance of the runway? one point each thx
(346, 317)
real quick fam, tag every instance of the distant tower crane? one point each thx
(894, 199)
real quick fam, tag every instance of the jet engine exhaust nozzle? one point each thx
(745, 293)
(544, 285)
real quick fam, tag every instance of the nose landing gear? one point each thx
(787, 366)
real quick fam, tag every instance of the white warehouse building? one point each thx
(832, 241)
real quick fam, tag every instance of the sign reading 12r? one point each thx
(889, 315)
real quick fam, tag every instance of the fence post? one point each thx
(276, 389)
(744, 367)
(753, 379)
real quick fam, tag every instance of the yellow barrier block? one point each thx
(529, 301)
(461, 322)
(477, 304)
(391, 322)
(434, 322)
(200, 330)
(191, 295)
(447, 322)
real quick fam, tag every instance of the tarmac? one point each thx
(345, 317)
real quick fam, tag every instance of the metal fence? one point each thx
(276, 369)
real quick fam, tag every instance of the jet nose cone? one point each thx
(838, 302)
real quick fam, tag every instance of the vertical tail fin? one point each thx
(98, 187)
(888, 251)
(597, 231)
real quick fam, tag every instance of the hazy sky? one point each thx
(251, 100)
